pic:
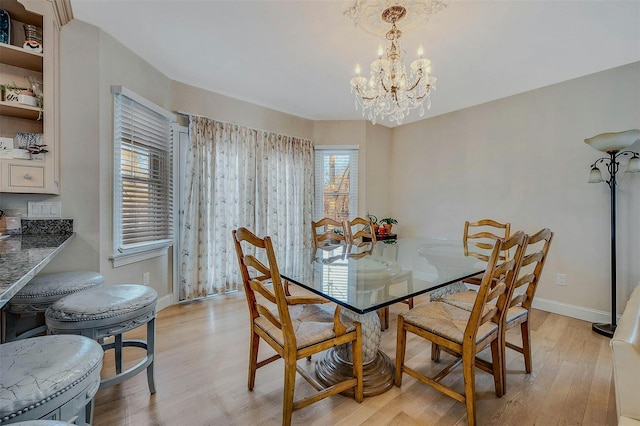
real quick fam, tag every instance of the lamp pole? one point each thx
(613, 166)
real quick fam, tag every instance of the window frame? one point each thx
(124, 253)
(321, 151)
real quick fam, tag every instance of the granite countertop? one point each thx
(22, 256)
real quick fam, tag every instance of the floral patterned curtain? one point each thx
(240, 177)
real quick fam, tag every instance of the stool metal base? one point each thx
(116, 326)
(146, 362)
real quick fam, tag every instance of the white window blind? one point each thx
(143, 178)
(336, 183)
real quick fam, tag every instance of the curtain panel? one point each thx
(237, 176)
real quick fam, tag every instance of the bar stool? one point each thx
(26, 309)
(49, 377)
(106, 311)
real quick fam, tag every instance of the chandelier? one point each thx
(390, 91)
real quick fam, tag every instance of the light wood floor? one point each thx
(201, 376)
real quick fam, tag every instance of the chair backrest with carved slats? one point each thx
(497, 284)
(479, 242)
(363, 229)
(328, 231)
(531, 268)
(258, 282)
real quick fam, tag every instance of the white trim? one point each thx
(164, 302)
(142, 101)
(334, 147)
(178, 183)
(129, 258)
(573, 311)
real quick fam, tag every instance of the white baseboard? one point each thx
(573, 311)
(164, 302)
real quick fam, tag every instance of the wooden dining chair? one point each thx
(462, 333)
(519, 308)
(357, 230)
(295, 327)
(328, 231)
(478, 240)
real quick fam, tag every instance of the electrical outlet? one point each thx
(145, 278)
(44, 209)
(561, 279)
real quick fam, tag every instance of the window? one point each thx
(336, 184)
(143, 182)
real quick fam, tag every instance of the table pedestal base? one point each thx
(378, 375)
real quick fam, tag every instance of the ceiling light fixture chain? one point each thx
(389, 91)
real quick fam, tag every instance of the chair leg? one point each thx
(289, 386)
(383, 315)
(151, 348)
(468, 370)
(526, 345)
(118, 353)
(498, 366)
(356, 354)
(253, 359)
(400, 350)
(435, 352)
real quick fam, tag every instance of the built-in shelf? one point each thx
(18, 57)
(12, 109)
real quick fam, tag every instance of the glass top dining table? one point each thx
(366, 278)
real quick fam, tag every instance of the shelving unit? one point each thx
(16, 63)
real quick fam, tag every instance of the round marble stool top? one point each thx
(34, 371)
(45, 289)
(98, 303)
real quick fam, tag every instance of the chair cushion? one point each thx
(46, 289)
(37, 370)
(102, 302)
(466, 299)
(312, 323)
(446, 320)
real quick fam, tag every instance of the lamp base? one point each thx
(604, 329)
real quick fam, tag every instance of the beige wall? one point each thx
(522, 159)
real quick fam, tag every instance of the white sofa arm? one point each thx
(625, 345)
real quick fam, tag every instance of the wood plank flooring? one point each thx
(201, 379)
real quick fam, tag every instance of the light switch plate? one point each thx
(49, 209)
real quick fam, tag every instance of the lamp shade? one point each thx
(634, 165)
(617, 141)
(595, 176)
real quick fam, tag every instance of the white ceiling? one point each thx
(298, 56)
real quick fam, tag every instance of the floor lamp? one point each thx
(613, 144)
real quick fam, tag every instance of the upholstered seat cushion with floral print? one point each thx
(446, 320)
(312, 323)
